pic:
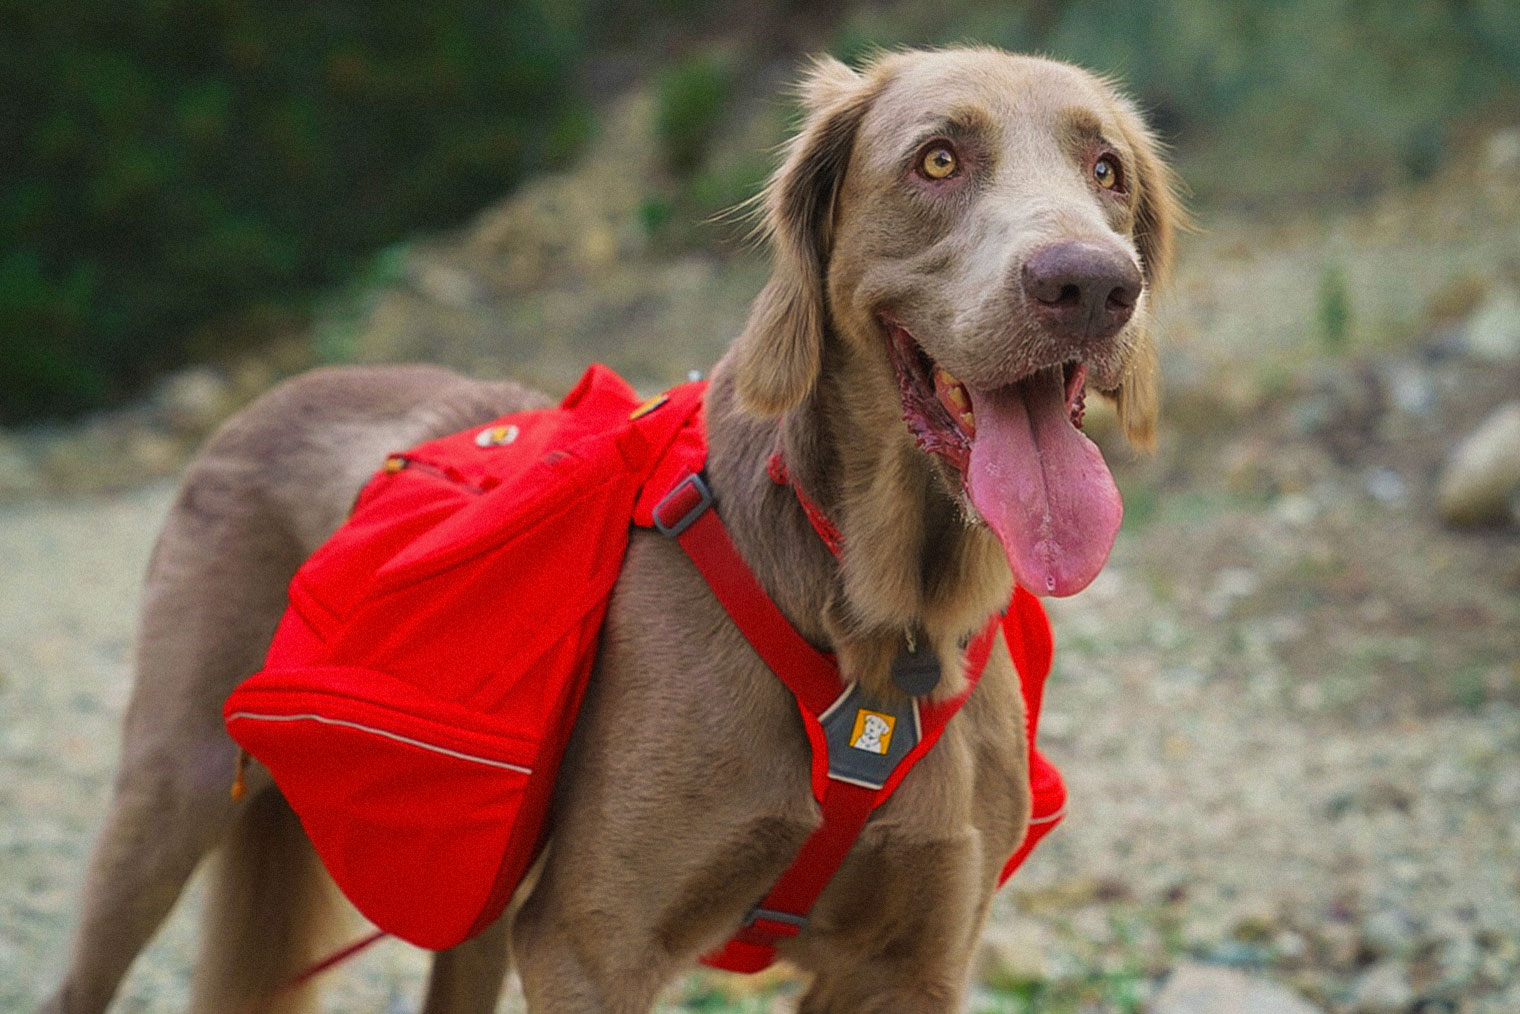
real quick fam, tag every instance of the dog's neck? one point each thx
(911, 566)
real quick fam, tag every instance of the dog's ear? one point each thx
(1158, 215)
(780, 352)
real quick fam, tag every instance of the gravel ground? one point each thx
(1288, 712)
(1224, 810)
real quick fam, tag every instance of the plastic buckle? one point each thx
(786, 924)
(692, 497)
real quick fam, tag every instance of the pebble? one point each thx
(1014, 952)
(1493, 330)
(193, 400)
(18, 475)
(1209, 989)
(1482, 475)
(1383, 989)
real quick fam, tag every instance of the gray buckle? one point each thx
(771, 915)
(692, 485)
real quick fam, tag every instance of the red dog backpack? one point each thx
(423, 683)
(425, 679)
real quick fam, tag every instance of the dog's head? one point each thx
(981, 233)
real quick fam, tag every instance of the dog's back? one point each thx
(268, 488)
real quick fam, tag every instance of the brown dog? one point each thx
(962, 239)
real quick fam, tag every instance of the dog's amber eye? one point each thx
(939, 163)
(1106, 172)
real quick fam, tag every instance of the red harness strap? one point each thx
(814, 679)
(827, 532)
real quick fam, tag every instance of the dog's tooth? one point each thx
(944, 379)
(959, 398)
(968, 423)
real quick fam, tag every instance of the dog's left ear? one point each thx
(779, 355)
(1158, 215)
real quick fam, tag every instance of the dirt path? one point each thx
(1223, 808)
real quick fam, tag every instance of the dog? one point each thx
(964, 242)
(873, 728)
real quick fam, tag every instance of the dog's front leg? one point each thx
(563, 973)
(896, 928)
(830, 995)
(609, 926)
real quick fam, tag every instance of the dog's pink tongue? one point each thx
(1042, 485)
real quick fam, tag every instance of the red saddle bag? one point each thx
(423, 683)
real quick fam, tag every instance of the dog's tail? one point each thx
(271, 911)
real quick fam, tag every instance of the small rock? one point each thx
(1502, 152)
(1206, 989)
(1411, 389)
(1014, 953)
(153, 453)
(1295, 509)
(18, 476)
(193, 400)
(1383, 989)
(1493, 330)
(1482, 475)
(1290, 946)
(1388, 932)
(1230, 585)
(446, 285)
(1387, 486)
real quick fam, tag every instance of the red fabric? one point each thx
(1027, 631)
(425, 679)
(827, 533)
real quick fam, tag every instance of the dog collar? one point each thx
(781, 476)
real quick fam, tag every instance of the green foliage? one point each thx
(1334, 309)
(170, 164)
(1123, 992)
(1272, 100)
(691, 100)
(655, 212)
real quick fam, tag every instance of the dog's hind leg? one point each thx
(151, 844)
(271, 912)
(468, 979)
(214, 592)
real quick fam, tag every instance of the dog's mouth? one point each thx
(1024, 465)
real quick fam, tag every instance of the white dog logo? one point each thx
(873, 732)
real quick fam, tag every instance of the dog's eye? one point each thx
(1107, 172)
(939, 163)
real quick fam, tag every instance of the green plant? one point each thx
(1334, 308)
(691, 100)
(171, 164)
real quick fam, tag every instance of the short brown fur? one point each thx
(686, 790)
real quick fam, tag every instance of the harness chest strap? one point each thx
(855, 767)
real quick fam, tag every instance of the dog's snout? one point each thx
(1081, 290)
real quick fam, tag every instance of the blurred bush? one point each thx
(691, 100)
(1267, 101)
(178, 174)
(170, 163)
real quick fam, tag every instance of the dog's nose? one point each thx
(1080, 289)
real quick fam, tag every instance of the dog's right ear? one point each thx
(779, 355)
(1158, 216)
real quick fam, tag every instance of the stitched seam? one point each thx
(435, 748)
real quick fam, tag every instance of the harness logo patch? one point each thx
(648, 406)
(873, 731)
